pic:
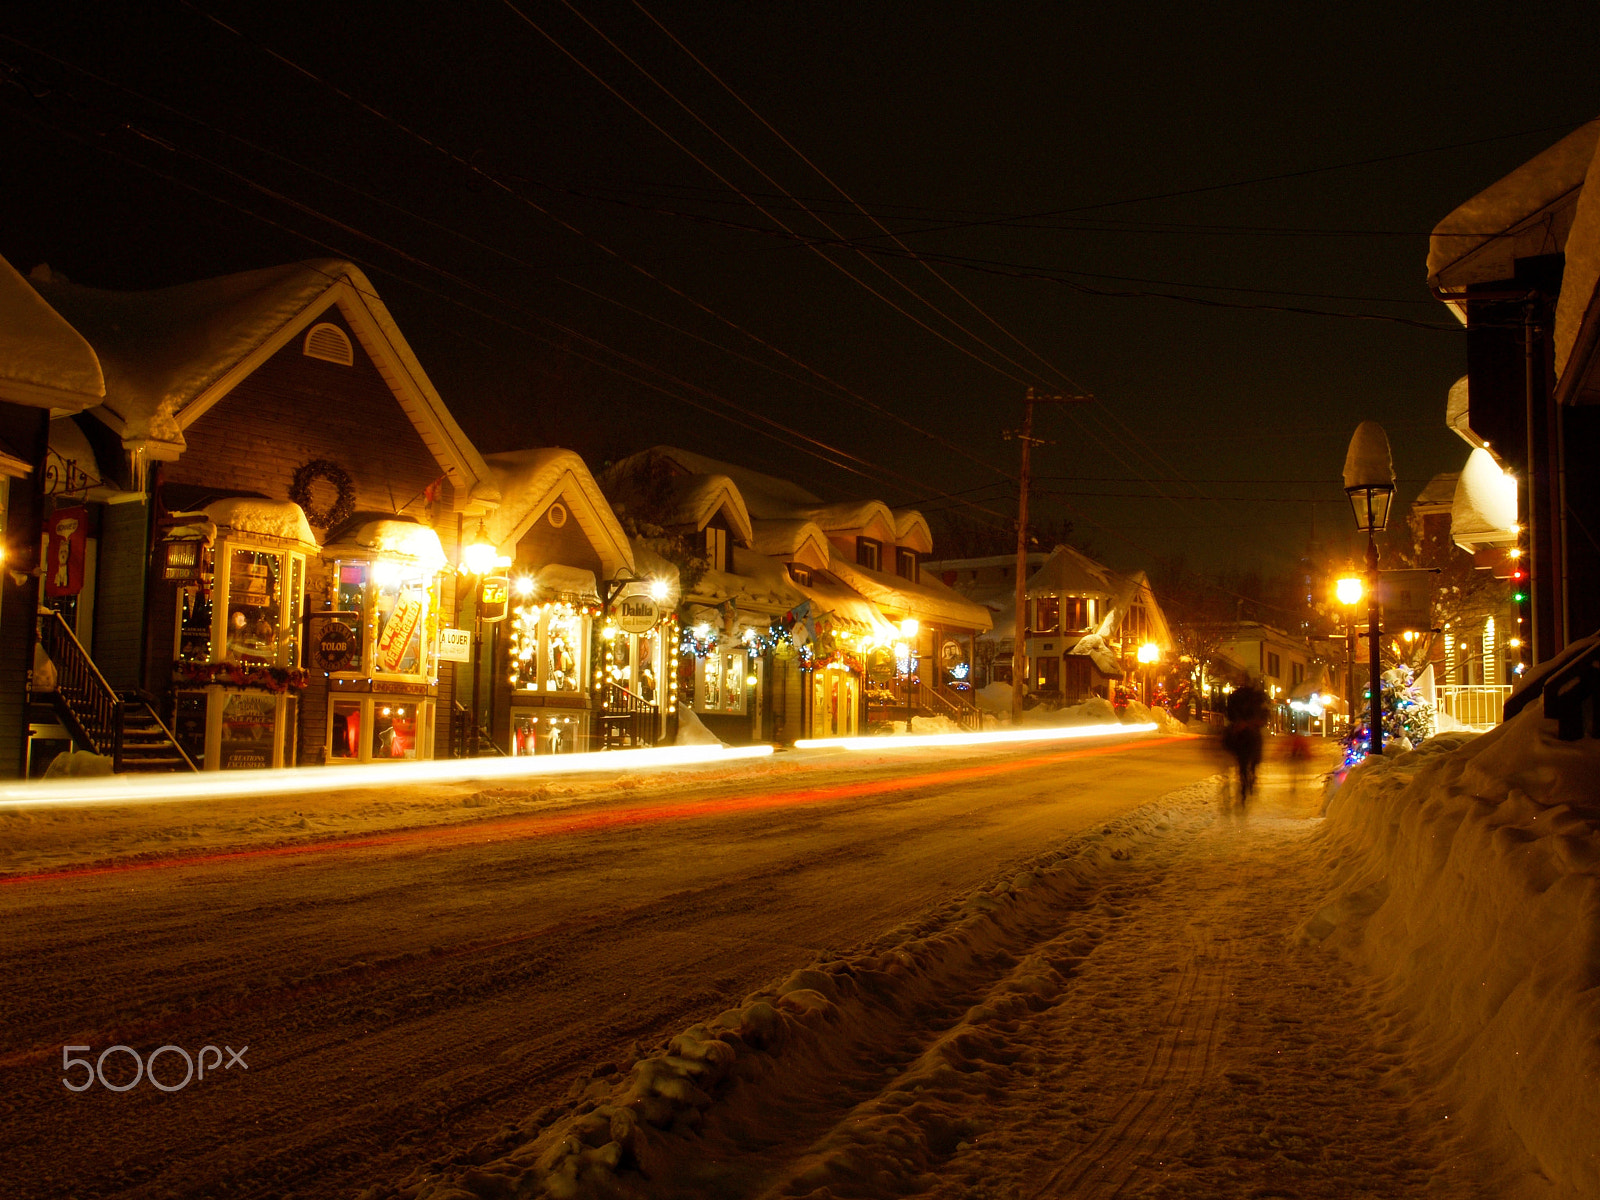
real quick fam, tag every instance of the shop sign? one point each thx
(455, 645)
(397, 631)
(494, 598)
(248, 725)
(336, 642)
(636, 614)
(65, 537)
(180, 560)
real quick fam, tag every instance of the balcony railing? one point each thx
(1476, 704)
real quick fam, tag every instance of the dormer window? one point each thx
(869, 553)
(330, 344)
(719, 550)
(906, 564)
(800, 575)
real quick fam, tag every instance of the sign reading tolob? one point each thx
(636, 614)
(336, 642)
(455, 645)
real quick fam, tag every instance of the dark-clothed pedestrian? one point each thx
(1247, 717)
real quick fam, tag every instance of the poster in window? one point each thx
(396, 638)
(248, 724)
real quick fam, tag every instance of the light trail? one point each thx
(999, 737)
(570, 824)
(215, 785)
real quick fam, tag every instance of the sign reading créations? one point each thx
(636, 614)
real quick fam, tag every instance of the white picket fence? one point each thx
(1476, 704)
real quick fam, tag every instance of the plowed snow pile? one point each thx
(1473, 868)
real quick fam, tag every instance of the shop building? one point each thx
(559, 672)
(276, 497)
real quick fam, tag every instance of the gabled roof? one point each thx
(697, 499)
(170, 354)
(1438, 492)
(766, 497)
(926, 600)
(1071, 572)
(44, 361)
(911, 531)
(530, 481)
(793, 541)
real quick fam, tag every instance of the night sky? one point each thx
(568, 275)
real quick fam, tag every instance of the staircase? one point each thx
(468, 740)
(126, 729)
(628, 720)
(963, 714)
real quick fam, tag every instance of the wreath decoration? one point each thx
(344, 503)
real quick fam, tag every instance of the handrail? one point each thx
(630, 702)
(167, 733)
(965, 715)
(88, 701)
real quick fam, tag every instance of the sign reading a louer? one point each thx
(455, 645)
(636, 614)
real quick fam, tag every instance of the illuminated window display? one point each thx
(236, 643)
(548, 667)
(720, 681)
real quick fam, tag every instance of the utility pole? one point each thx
(1019, 648)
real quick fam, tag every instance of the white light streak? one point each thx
(213, 785)
(998, 737)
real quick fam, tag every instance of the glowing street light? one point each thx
(1148, 653)
(1349, 590)
(1369, 482)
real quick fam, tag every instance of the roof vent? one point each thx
(329, 343)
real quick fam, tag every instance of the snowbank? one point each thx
(1138, 714)
(692, 731)
(1473, 890)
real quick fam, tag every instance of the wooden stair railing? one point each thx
(628, 719)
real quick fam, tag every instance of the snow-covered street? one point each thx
(1031, 972)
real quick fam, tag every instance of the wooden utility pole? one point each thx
(1019, 648)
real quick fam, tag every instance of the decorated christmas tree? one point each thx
(1407, 717)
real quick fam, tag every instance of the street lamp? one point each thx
(1148, 653)
(906, 652)
(1369, 482)
(1349, 591)
(479, 559)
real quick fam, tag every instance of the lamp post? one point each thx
(1369, 482)
(478, 560)
(1148, 653)
(1349, 591)
(908, 631)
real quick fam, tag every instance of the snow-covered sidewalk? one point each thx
(1137, 1014)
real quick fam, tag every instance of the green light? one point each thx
(1519, 597)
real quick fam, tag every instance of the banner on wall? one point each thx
(395, 639)
(66, 538)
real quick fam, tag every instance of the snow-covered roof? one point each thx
(1528, 212)
(1070, 572)
(696, 499)
(279, 519)
(1458, 413)
(1580, 272)
(44, 361)
(756, 581)
(793, 541)
(1484, 507)
(168, 355)
(928, 600)
(390, 538)
(530, 481)
(557, 579)
(911, 531)
(848, 608)
(766, 497)
(1438, 492)
(1368, 460)
(1099, 651)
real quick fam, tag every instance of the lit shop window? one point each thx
(547, 647)
(720, 683)
(394, 731)
(242, 607)
(395, 605)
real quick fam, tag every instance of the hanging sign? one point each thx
(66, 535)
(636, 614)
(336, 641)
(395, 639)
(494, 598)
(455, 645)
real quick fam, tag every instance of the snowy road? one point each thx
(413, 972)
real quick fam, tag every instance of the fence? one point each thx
(1476, 704)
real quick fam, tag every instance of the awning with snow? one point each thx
(391, 538)
(272, 520)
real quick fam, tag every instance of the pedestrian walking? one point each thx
(1247, 717)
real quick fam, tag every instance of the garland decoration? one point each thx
(240, 675)
(344, 503)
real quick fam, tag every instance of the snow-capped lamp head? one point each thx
(1369, 476)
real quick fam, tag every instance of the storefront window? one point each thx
(396, 613)
(563, 651)
(711, 685)
(194, 624)
(721, 681)
(394, 731)
(643, 675)
(255, 588)
(346, 740)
